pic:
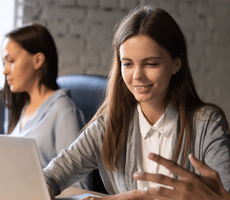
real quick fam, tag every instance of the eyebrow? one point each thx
(148, 58)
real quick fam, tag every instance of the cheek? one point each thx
(124, 75)
(163, 76)
(127, 75)
(26, 69)
(165, 80)
(127, 80)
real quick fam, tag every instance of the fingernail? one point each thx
(151, 156)
(138, 174)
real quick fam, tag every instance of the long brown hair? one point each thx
(33, 38)
(119, 103)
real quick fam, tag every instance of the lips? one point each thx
(142, 88)
(9, 81)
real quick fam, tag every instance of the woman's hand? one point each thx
(51, 192)
(130, 195)
(190, 186)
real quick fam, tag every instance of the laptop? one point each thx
(21, 175)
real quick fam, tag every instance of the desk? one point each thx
(73, 191)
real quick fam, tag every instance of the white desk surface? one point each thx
(73, 191)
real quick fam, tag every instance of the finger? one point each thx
(158, 178)
(162, 193)
(100, 198)
(109, 197)
(171, 165)
(87, 198)
(199, 165)
(202, 167)
(91, 198)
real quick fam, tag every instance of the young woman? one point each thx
(151, 106)
(37, 107)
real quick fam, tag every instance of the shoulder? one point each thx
(210, 119)
(98, 124)
(95, 129)
(207, 113)
(57, 105)
(93, 134)
(60, 102)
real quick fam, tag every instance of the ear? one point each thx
(39, 59)
(176, 65)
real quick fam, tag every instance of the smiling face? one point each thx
(18, 67)
(147, 69)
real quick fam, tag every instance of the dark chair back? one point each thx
(86, 91)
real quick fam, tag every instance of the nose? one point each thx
(6, 69)
(138, 73)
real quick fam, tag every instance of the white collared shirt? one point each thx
(156, 139)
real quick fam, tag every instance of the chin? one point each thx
(142, 99)
(15, 90)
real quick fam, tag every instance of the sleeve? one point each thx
(78, 160)
(68, 128)
(216, 146)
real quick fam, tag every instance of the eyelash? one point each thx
(126, 64)
(10, 61)
(151, 64)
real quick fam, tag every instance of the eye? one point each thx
(126, 64)
(152, 64)
(10, 61)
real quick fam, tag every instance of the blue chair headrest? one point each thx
(86, 91)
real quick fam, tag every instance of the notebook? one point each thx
(21, 176)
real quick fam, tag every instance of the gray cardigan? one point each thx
(210, 145)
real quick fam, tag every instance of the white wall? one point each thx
(6, 23)
(82, 30)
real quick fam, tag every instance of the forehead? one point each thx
(141, 45)
(9, 46)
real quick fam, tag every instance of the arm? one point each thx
(212, 145)
(77, 161)
(68, 128)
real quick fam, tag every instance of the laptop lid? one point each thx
(21, 175)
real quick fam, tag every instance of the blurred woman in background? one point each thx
(37, 108)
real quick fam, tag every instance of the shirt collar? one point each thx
(164, 125)
(143, 123)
